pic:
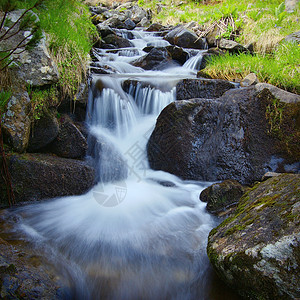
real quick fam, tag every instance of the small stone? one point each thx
(270, 175)
(250, 79)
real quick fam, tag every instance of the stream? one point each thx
(139, 233)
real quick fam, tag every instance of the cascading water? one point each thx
(139, 233)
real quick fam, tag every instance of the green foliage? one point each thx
(4, 98)
(280, 14)
(41, 99)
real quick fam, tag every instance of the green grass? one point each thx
(281, 69)
(70, 35)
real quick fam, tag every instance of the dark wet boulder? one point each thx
(178, 54)
(155, 59)
(69, 143)
(39, 176)
(117, 41)
(129, 24)
(182, 37)
(256, 250)
(240, 136)
(43, 132)
(223, 195)
(202, 88)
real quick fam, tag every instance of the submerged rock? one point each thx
(24, 275)
(256, 250)
(240, 136)
(38, 176)
(221, 196)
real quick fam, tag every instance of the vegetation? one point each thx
(262, 23)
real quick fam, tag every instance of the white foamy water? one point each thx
(138, 233)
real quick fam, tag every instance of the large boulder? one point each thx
(43, 132)
(256, 250)
(16, 122)
(33, 67)
(178, 54)
(202, 88)
(182, 37)
(240, 136)
(157, 58)
(38, 176)
(231, 46)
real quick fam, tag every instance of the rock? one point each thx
(182, 37)
(256, 250)
(105, 30)
(39, 176)
(69, 143)
(16, 122)
(33, 67)
(114, 22)
(138, 13)
(269, 175)
(211, 36)
(293, 37)
(43, 132)
(155, 27)
(129, 24)
(178, 54)
(250, 79)
(290, 5)
(154, 60)
(24, 276)
(240, 136)
(221, 196)
(231, 46)
(202, 88)
(144, 22)
(117, 41)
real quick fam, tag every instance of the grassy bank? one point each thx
(70, 34)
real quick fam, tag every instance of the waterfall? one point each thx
(138, 233)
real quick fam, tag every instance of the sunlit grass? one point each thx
(281, 69)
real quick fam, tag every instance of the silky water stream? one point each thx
(138, 233)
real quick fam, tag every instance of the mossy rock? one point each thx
(256, 250)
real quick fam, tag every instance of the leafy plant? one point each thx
(280, 14)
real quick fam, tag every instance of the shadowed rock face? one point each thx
(38, 176)
(237, 136)
(256, 250)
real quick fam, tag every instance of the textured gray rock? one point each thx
(202, 88)
(34, 67)
(117, 41)
(231, 46)
(237, 136)
(182, 37)
(16, 122)
(293, 37)
(39, 176)
(256, 250)
(250, 79)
